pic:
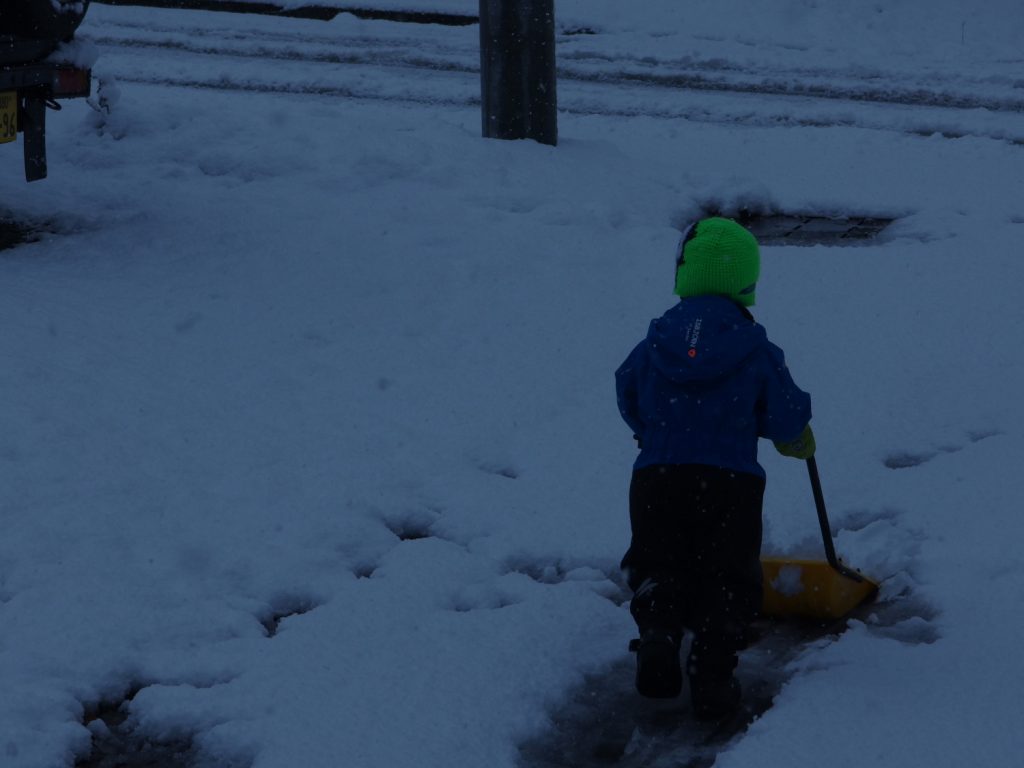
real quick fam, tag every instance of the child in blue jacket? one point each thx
(698, 392)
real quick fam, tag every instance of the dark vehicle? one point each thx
(30, 82)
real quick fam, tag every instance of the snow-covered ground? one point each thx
(309, 434)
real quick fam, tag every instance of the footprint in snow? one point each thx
(908, 459)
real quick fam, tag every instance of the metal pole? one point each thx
(517, 70)
(33, 125)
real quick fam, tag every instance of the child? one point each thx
(697, 393)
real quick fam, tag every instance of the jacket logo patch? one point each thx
(694, 336)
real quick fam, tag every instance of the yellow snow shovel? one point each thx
(812, 589)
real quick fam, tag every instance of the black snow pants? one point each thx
(694, 559)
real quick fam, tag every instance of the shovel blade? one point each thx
(811, 589)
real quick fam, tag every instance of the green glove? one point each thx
(801, 447)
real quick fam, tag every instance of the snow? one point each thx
(309, 426)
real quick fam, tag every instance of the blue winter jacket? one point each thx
(704, 385)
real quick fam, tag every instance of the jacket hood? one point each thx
(702, 338)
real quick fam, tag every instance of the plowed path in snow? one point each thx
(606, 723)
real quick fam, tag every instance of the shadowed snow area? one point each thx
(310, 453)
(14, 232)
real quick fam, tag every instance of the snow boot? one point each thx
(659, 674)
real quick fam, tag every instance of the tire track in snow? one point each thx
(568, 104)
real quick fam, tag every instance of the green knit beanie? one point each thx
(718, 257)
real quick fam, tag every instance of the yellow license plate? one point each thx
(8, 116)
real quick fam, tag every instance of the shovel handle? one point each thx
(826, 529)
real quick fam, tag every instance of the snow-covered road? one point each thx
(439, 65)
